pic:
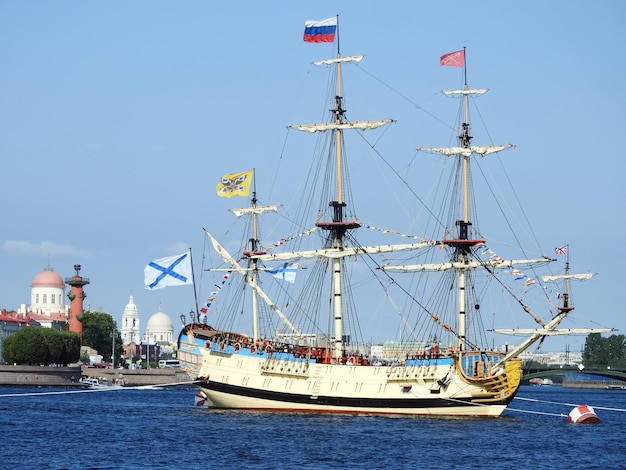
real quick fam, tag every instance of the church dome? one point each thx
(48, 278)
(160, 322)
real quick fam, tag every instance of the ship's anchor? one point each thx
(444, 381)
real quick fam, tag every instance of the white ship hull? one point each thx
(249, 380)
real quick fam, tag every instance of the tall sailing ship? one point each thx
(304, 352)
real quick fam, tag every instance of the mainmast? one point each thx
(338, 226)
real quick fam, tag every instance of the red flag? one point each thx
(561, 250)
(454, 59)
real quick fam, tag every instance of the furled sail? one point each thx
(464, 265)
(477, 91)
(549, 329)
(549, 332)
(341, 252)
(349, 58)
(559, 277)
(331, 126)
(254, 210)
(467, 151)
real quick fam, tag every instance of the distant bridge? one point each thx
(540, 372)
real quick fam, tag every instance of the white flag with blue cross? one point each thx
(169, 271)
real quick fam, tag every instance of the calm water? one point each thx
(163, 429)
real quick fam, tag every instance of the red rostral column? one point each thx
(76, 296)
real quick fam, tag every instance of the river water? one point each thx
(164, 429)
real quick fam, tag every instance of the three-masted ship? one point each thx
(307, 359)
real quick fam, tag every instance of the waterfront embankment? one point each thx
(591, 383)
(70, 376)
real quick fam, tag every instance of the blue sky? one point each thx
(117, 119)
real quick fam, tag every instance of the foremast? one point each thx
(464, 242)
(462, 259)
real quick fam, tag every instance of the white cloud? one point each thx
(44, 249)
(179, 247)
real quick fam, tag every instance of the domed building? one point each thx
(47, 297)
(47, 293)
(159, 328)
(160, 333)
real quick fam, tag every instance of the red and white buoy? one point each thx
(583, 414)
(201, 399)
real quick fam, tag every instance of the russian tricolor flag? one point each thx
(320, 31)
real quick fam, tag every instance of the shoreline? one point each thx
(595, 384)
(70, 376)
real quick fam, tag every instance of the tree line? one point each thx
(605, 352)
(34, 345)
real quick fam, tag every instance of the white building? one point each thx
(130, 323)
(159, 329)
